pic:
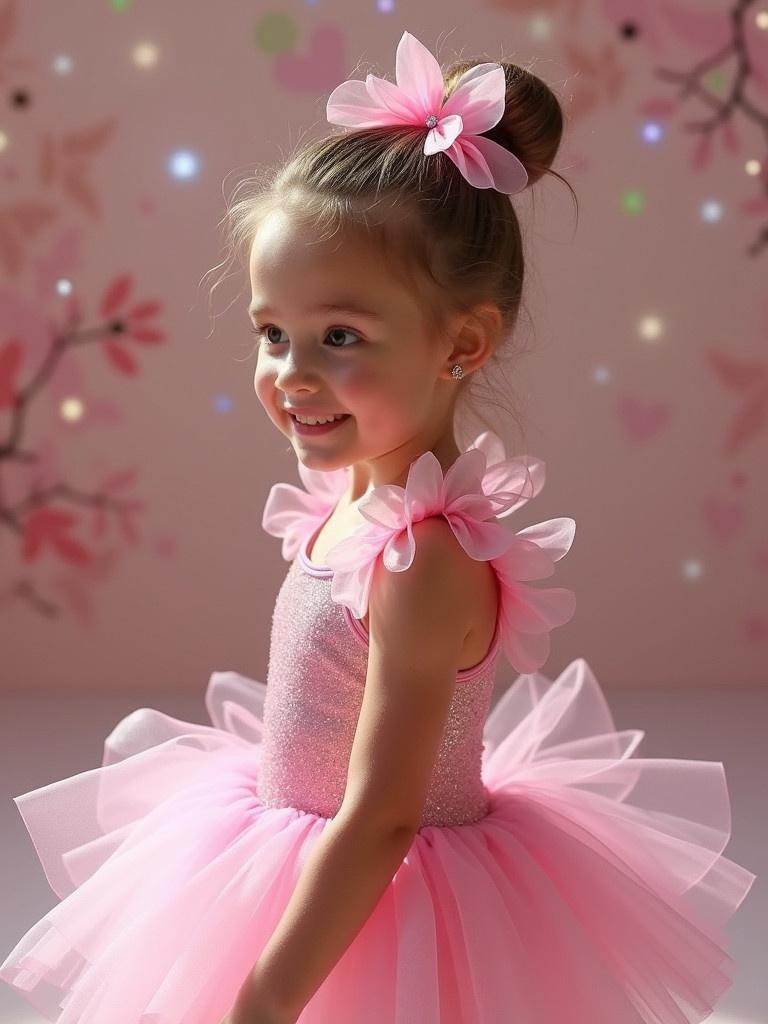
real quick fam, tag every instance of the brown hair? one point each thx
(462, 244)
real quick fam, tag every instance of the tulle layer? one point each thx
(595, 890)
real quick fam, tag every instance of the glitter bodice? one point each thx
(315, 683)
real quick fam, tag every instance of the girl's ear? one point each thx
(476, 336)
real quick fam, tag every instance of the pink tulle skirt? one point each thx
(595, 891)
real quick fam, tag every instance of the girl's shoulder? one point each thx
(481, 488)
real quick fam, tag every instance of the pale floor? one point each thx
(45, 738)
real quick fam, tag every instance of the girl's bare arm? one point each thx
(418, 621)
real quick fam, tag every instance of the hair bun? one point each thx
(532, 125)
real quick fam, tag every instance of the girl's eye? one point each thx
(262, 331)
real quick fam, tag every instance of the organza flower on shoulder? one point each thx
(293, 513)
(481, 487)
(471, 497)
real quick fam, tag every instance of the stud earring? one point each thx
(457, 372)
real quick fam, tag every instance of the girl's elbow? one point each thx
(386, 827)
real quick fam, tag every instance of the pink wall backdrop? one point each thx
(134, 457)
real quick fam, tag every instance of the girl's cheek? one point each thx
(264, 388)
(356, 383)
(259, 376)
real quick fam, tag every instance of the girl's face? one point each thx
(373, 361)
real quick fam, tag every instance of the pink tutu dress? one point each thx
(556, 878)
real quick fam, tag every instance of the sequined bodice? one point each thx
(315, 683)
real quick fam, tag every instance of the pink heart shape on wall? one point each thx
(723, 516)
(642, 420)
(320, 68)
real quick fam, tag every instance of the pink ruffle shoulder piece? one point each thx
(290, 512)
(481, 487)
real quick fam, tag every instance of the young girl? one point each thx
(358, 841)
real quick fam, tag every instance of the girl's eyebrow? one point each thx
(326, 307)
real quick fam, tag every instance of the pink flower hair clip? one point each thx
(452, 126)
